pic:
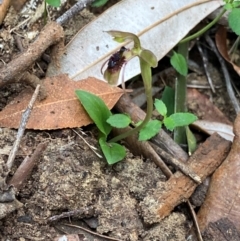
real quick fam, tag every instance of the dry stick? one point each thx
(82, 211)
(51, 34)
(205, 65)
(25, 169)
(75, 9)
(226, 75)
(25, 117)
(96, 234)
(177, 164)
(179, 187)
(125, 105)
(199, 235)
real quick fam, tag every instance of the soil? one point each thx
(71, 184)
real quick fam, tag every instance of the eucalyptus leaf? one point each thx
(85, 54)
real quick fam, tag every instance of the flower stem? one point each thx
(147, 80)
(203, 30)
(181, 96)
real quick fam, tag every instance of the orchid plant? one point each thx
(105, 120)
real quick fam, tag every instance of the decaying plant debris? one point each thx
(71, 183)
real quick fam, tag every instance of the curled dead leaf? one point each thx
(221, 43)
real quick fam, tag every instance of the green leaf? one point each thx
(236, 4)
(168, 99)
(149, 57)
(178, 119)
(119, 120)
(161, 107)
(179, 63)
(228, 6)
(96, 109)
(99, 3)
(191, 140)
(54, 3)
(113, 152)
(120, 37)
(234, 20)
(150, 130)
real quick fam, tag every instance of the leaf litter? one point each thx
(61, 109)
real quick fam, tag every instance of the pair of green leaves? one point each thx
(99, 113)
(170, 122)
(105, 121)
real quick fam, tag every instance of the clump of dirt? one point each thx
(71, 177)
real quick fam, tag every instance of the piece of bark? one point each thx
(162, 139)
(26, 167)
(3, 9)
(221, 230)
(18, 4)
(179, 187)
(51, 34)
(223, 199)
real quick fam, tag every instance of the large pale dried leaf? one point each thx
(223, 197)
(91, 47)
(61, 109)
(221, 42)
(209, 127)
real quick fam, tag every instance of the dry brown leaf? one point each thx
(223, 197)
(204, 108)
(61, 109)
(221, 43)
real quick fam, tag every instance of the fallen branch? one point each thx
(180, 187)
(51, 34)
(26, 167)
(22, 127)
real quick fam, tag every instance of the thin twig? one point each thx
(199, 235)
(75, 9)
(205, 65)
(97, 234)
(176, 163)
(81, 211)
(226, 75)
(24, 120)
(90, 146)
(26, 167)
